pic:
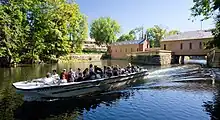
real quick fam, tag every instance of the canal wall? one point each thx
(152, 57)
(213, 58)
(81, 57)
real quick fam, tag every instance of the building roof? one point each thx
(130, 42)
(199, 34)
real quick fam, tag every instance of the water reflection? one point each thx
(166, 94)
(213, 107)
(9, 102)
(67, 108)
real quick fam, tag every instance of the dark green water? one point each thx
(155, 98)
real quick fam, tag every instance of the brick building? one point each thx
(120, 50)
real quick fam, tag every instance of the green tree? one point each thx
(35, 29)
(209, 9)
(104, 30)
(137, 33)
(155, 35)
(172, 32)
(12, 30)
(126, 37)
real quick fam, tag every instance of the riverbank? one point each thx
(80, 57)
(73, 57)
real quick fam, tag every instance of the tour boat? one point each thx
(38, 89)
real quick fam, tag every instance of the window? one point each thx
(190, 45)
(137, 49)
(181, 46)
(200, 45)
(164, 47)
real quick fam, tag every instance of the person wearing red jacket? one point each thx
(64, 75)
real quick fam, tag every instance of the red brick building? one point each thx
(120, 50)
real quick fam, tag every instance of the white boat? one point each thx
(38, 89)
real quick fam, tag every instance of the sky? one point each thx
(170, 14)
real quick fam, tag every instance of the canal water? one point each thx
(169, 93)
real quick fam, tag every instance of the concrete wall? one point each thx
(213, 58)
(157, 57)
(175, 46)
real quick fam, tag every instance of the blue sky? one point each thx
(171, 14)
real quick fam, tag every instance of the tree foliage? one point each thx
(208, 9)
(155, 35)
(137, 33)
(126, 37)
(104, 30)
(172, 32)
(35, 29)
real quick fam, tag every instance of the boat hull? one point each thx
(82, 88)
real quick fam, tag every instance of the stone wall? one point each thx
(213, 58)
(152, 58)
(93, 57)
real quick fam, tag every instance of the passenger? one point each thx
(77, 72)
(133, 69)
(98, 71)
(92, 73)
(128, 68)
(109, 72)
(115, 71)
(48, 75)
(138, 68)
(55, 75)
(119, 71)
(122, 71)
(86, 75)
(80, 77)
(104, 71)
(48, 79)
(71, 75)
(64, 75)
